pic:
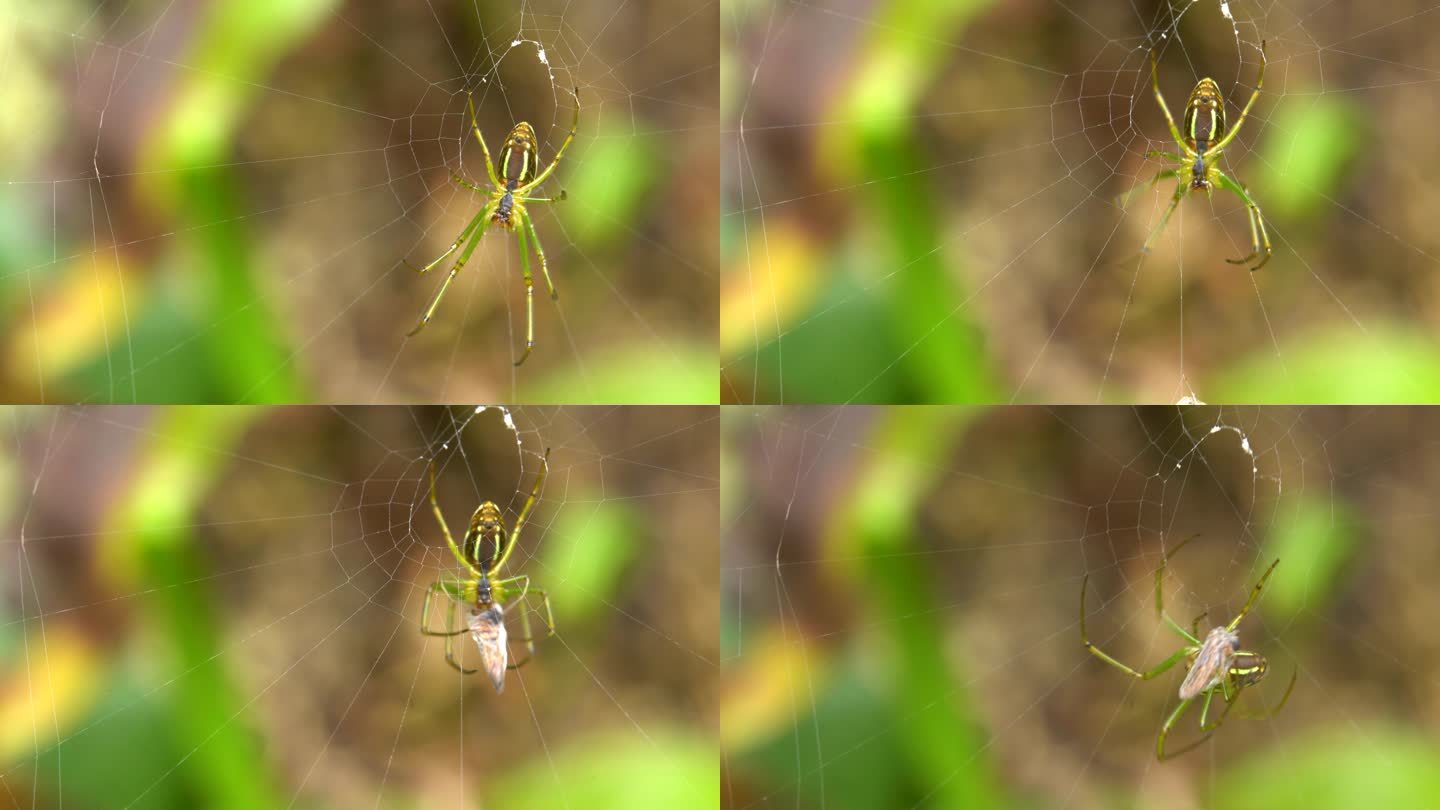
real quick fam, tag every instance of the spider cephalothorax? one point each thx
(485, 597)
(1216, 664)
(1202, 143)
(513, 181)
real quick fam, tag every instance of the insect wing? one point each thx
(487, 627)
(1211, 664)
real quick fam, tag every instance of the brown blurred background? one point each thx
(220, 607)
(211, 201)
(920, 204)
(901, 595)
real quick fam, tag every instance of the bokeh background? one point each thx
(211, 200)
(219, 607)
(901, 588)
(920, 204)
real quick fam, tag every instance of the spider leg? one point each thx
(1165, 732)
(1274, 710)
(1169, 119)
(484, 150)
(529, 287)
(1124, 197)
(524, 513)
(449, 633)
(529, 225)
(464, 235)
(1205, 713)
(1259, 237)
(450, 657)
(440, 588)
(561, 197)
(1161, 153)
(526, 590)
(1254, 594)
(1180, 190)
(1160, 669)
(1214, 151)
(529, 643)
(460, 178)
(1193, 638)
(545, 175)
(482, 220)
(445, 529)
(1195, 626)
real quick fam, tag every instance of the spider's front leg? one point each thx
(445, 588)
(1160, 669)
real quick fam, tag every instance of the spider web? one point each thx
(929, 191)
(214, 203)
(220, 607)
(901, 590)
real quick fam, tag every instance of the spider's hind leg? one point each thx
(1259, 238)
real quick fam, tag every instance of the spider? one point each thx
(514, 184)
(1202, 142)
(1217, 664)
(484, 596)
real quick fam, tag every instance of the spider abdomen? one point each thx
(1204, 115)
(485, 539)
(519, 161)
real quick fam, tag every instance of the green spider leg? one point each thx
(1181, 189)
(453, 590)
(1160, 669)
(1207, 729)
(521, 233)
(472, 232)
(1219, 146)
(540, 251)
(484, 150)
(524, 515)
(1192, 637)
(1274, 710)
(1123, 199)
(522, 582)
(1254, 595)
(1164, 108)
(549, 170)
(1259, 238)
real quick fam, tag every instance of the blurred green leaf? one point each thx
(623, 771)
(607, 187)
(587, 553)
(1381, 366)
(1309, 142)
(153, 544)
(85, 770)
(638, 374)
(182, 173)
(1359, 767)
(844, 756)
(853, 328)
(1316, 543)
(940, 731)
(940, 350)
